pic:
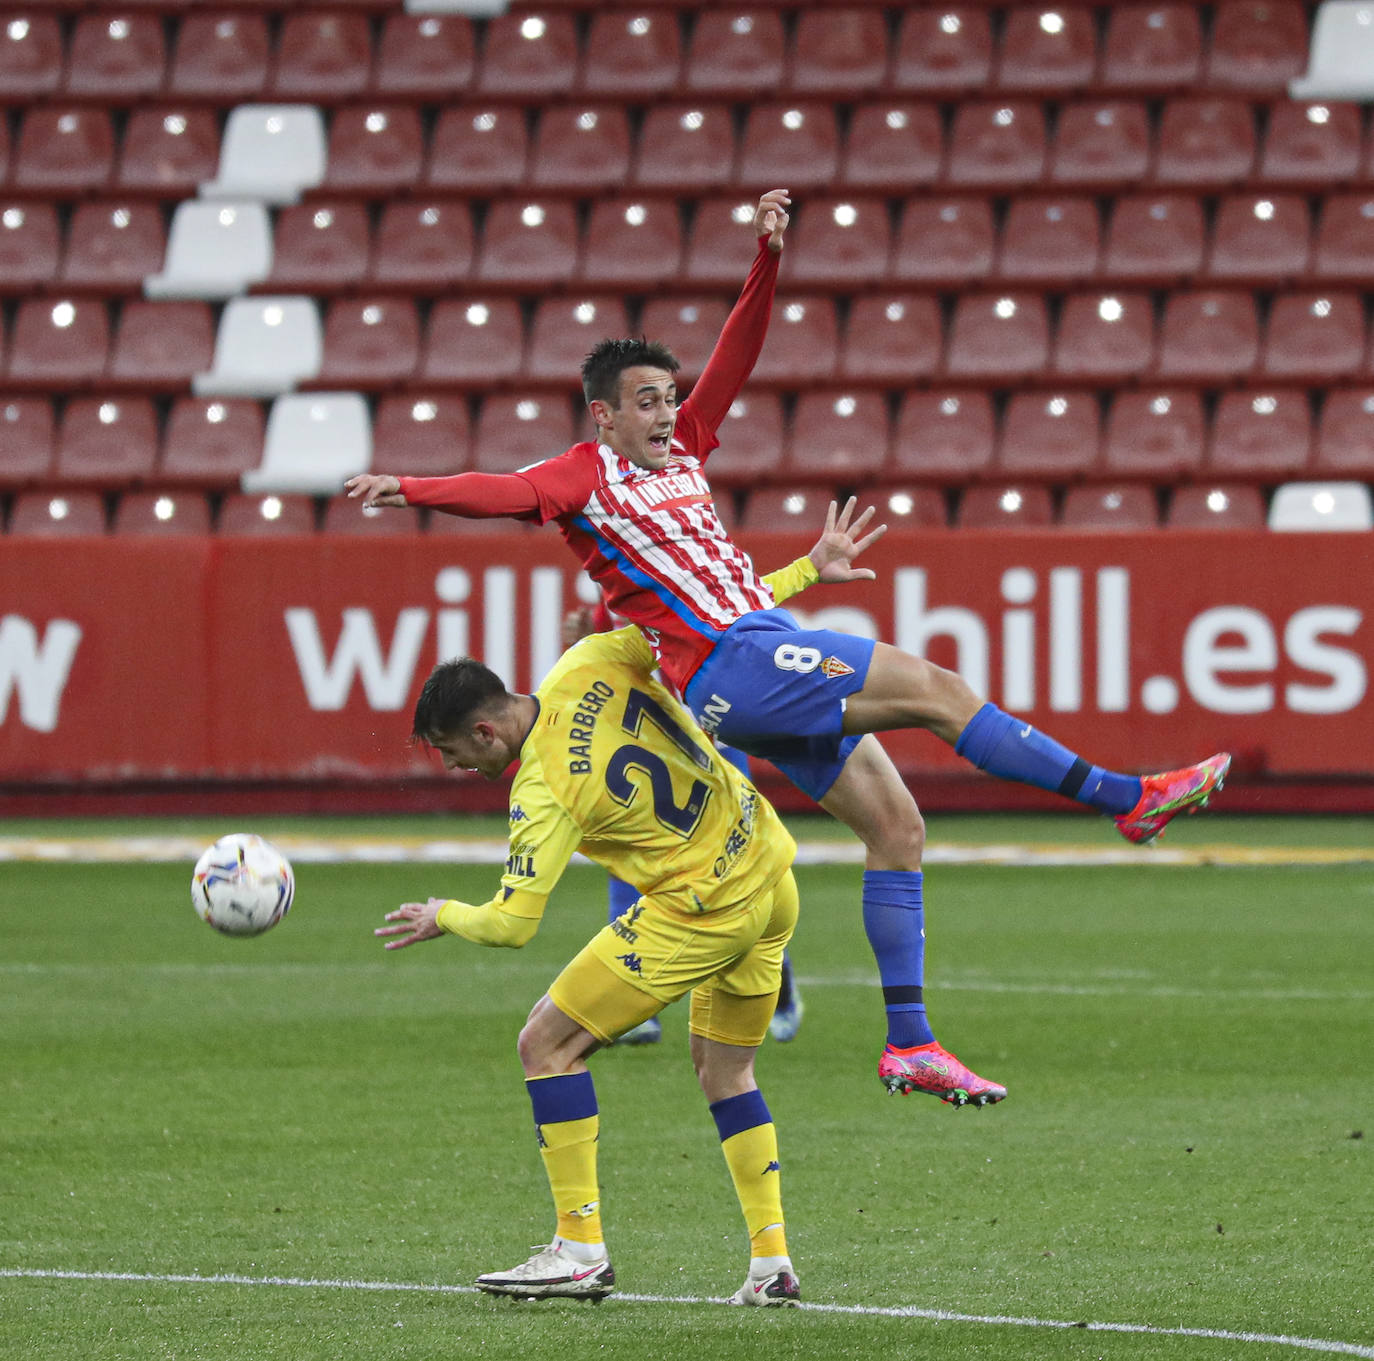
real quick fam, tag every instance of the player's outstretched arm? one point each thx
(842, 540)
(376, 489)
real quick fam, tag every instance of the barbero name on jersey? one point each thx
(584, 718)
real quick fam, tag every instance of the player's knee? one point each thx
(533, 1051)
(900, 836)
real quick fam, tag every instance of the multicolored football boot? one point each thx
(1164, 797)
(552, 1274)
(929, 1068)
(778, 1290)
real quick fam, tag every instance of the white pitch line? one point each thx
(1311, 1344)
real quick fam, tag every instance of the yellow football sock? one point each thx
(752, 1157)
(569, 1152)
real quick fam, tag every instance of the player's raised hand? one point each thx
(415, 922)
(842, 540)
(376, 489)
(771, 218)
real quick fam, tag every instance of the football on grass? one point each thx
(242, 885)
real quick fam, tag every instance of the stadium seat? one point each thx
(1152, 48)
(1315, 337)
(1129, 506)
(631, 55)
(685, 148)
(161, 346)
(211, 442)
(1047, 51)
(892, 147)
(106, 442)
(996, 144)
(580, 148)
(1205, 141)
(944, 436)
(345, 516)
(214, 250)
(563, 331)
(840, 243)
(31, 54)
(1156, 434)
(264, 346)
(516, 429)
(1003, 336)
(52, 513)
(27, 436)
(907, 506)
(1051, 436)
(690, 327)
(322, 56)
(1049, 241)
(891, 339)
(634, 244)
(422, 435)
(734, 53)
(30, 246)
(1345, 435)
(1261, 435)
(1256, 45)
(63, 150)
(423, 245)
(161, 512)
(1312, 146)
(425, 57)
(839, 436)
(528, 56)
(272, 152)
(319, 247)
(221, 56)
(270, 514)
(115, 57)
(1004, 506)
(1156, 239)
(477, 150)
(751, 441)
(472, 343)
(1304, 507)
(374, 149)
(58, 344)
(1208, 336)
(802, 346)
(314, 443)
(1343, 251)
(838, 52)
(1101, 144)
(942, 51)
(528, 245)
(721, 244)
(785, 508)
(167, 151)
(1340, 62)
(112, 246)
(1260, 238)
(944, 241)
(1214, 505)
(793, 144)
(370, 343)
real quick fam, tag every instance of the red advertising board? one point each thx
(299, 659)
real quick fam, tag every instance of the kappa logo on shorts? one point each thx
(833, 667)
(632, 962)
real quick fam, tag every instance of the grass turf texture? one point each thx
(1187, 1052)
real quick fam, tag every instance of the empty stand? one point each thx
(427, 57)
(1315, 146)
(721, 244)
(802, 345)
(1047, 50)
(1315, 337)
(220, 55)
(1049, 241)
(944, 241)
(528, 57)
(1004, 506)
(424, 246)
(271, 152)
(1205, 141)
(1129, 506)
(942, 51)
(997, 144)
(111, 247)
(372, 343)
(631, 243)
(1257, 45)
(838, 52)
(211, 442)
(1208, 336)
(1157, 239)
(314, 443)
(528, 244)
(1053, 436)
(1260, 238)
(345, 516)
(581, 148)
(167, 151)
(63, 150)
(161, 512)
(1343, 251)
(735, 53)
(31, 57)
(269, 514)
(320, 247)
(422, 435)
(375, 149)
(1345, 434)
(472, 343)
(478, 150)
(690, 326)
(58, 344)
(907, 506)
(685, 148)
(106, 442)
(1101, 144)
(631, 55)
(789, 509)
(891, 339)
(840, 243)
(751, 441)
(214, 250)
(30, 246)
(998, 336)
(1155, 434)
(116, 57)
(27, 435)
(839, 436)
(795, 144)
(322, 55)
(1152, 48)
(1305, 507)
(263, 346)
(564, 330)
(944, 436)
(161, 346)
(53, 513)
(1262, 435)
(516, 429)
(893, 147)
(1214, 505)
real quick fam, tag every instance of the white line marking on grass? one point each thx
(1311, 1344)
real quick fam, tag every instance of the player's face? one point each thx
(480, 750)
(640, 426)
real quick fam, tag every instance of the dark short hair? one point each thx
(456, 692)
(602, 368)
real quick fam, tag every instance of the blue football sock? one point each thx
(620, 897)
(1005, 746)
(894, 921)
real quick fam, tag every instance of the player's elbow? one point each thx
(518, 931)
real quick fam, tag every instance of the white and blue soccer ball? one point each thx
(242, 885)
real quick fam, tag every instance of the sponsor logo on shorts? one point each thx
(632, 962)
(834, 667)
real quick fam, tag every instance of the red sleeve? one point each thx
(542, 492)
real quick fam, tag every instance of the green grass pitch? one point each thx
(1186, 1144)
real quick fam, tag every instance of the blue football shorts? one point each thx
(778, 691)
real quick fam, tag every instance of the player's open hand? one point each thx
(414, 922)
(842, 540)
(376, 489)
(771, 219)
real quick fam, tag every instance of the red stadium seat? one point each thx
(477, 150)
(892, 147)
(1052, 436)
(944, 436)
(30, 246)
(528, 56)
(1257, 45)
(1104, 337)
(1212, 505)
(113, 247)
(564, 330)
(161, 346)
(839, 436)
(1345, 435)
(319, 247)
(795, 145)
(840, 243)
(370, 343)
(838, 53)
(1156, 434)
(472, 343)
(942, 51)
(944, 241)
(64, 150)
(58, 512)
(1315, 337)
(1260, 238)
(721, 244)
(221, 56)
(106, 442)
(116, 57)
(211, 441)
(1208, 336)
(1101, 144)
(633, 244)
(1262, 435)
(1152, 48)
(27, 436)
(734, 53)
(581, 148)
(803, 342)
(685, 148)
(891, 339)
(516, 429)
(904, 505)
(1003, 505)
(528, 244)
(631, 55)
(423, 245)
(1314, 146)
(786, 508)
(422, 435)
(1047, 51)
(161, 512)
(345, 516)
(58, 344)
(241, 513)
(997, 144)
(374, 149)
(30, 58)
(1154, 239)
(1129, 507)
(168, 150)
(751, 441)
(1049, 241)
(690, 327)
(1343, 251)
(1003, 336)
(1205, 141)
(323, 56)
(428, 57)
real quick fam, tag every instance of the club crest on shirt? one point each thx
(833, 667)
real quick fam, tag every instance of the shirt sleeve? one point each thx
(564, 484)
(792, 579)
(478, 496)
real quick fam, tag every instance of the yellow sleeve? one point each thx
(792, 579)
(625, 647)
(509, 921)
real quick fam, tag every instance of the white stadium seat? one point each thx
(264, 346)
(1322, 506)
(1340, 63)
(270, 152)
(214, 250)
(314, 442)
